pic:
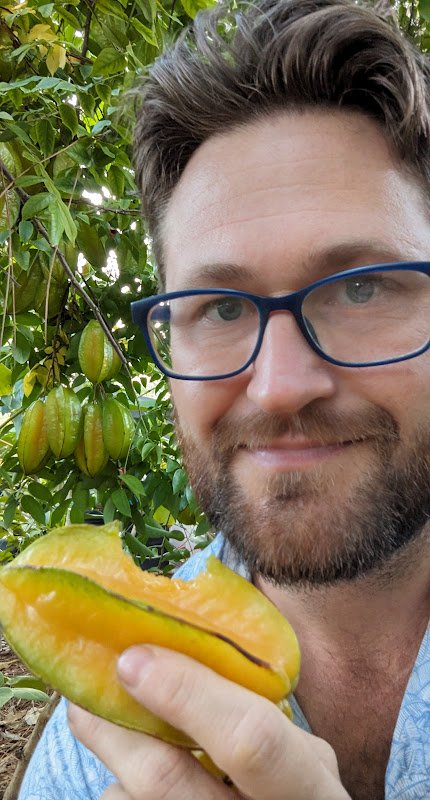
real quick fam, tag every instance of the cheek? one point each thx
(403, 390)
(200, 404)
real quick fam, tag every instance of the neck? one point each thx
(365, 618)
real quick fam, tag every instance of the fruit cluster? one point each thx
(61, 426)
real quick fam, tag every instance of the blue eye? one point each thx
(360, 290)
(227, 309)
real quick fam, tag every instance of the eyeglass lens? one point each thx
(360, 319)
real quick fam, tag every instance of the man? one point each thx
(274, 151)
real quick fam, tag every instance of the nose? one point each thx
(287, 374)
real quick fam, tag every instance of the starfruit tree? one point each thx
(85, 422)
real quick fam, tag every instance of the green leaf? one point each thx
(46, 10)
(89, 243)
(100, 125)
(6, 694)
(81, 498)
(69, 117)
(9, 512)
(77, 517)
(45, 136)
(191, 7)
(121, 501)
(40, 492)
(153, 528)
(5, 380)
(115, 179)
(27, 682)
(424, 9)
(109, 511)
(56, 223)
(177, 535)
(109, 62)
(36, 204)
(137, 547)
(133, 483)
(87, 103)
(25, 231)
(59, 513)
(33, 507)
(110, 7)
(147, 33)
(31, 694)
(180, 480)
(21, 348)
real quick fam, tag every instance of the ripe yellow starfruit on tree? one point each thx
(118, 428)
(73, 601)
(64, 421)
(33, 445)
(97, 358)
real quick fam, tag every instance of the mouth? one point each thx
(292, 454)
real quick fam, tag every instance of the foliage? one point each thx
(70, 221)
(22, 687)
(68, 202)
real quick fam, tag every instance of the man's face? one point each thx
(315, 472)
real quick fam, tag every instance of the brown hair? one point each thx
(230, 69)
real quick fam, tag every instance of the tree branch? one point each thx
(91, 4)
(105, 209)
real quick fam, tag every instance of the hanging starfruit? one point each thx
(33, 445)
(73, 601)
(118, 428)
(64, 421)
(97, 358)
(91, 455)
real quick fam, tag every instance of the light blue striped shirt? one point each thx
(63, 769)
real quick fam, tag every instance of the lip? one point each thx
(296, 453)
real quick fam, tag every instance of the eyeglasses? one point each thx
(357, 318)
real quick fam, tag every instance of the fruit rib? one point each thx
(217, 598)
(72, 601)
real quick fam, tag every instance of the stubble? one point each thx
(299, 529)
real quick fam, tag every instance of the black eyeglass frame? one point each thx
(140, 310)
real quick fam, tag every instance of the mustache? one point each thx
(321, 426)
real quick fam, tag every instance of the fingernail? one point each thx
(134, 663)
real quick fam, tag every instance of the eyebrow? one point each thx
(319, 263)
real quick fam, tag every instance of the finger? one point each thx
(146, 768)
(246, 735)
(115, 792)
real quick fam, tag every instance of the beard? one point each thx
(313, 528)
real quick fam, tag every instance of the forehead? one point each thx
(267, 206)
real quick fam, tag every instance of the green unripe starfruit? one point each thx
(97, 358)
(33, 444)
(64, 421)
(118, 428)
(91, 455)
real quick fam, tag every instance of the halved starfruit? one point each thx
(73, 601)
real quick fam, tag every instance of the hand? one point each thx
(266, 756)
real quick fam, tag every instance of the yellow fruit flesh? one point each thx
(230, 606)
(70, 629)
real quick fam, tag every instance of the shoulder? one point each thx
(191, 568)
(408, 774)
